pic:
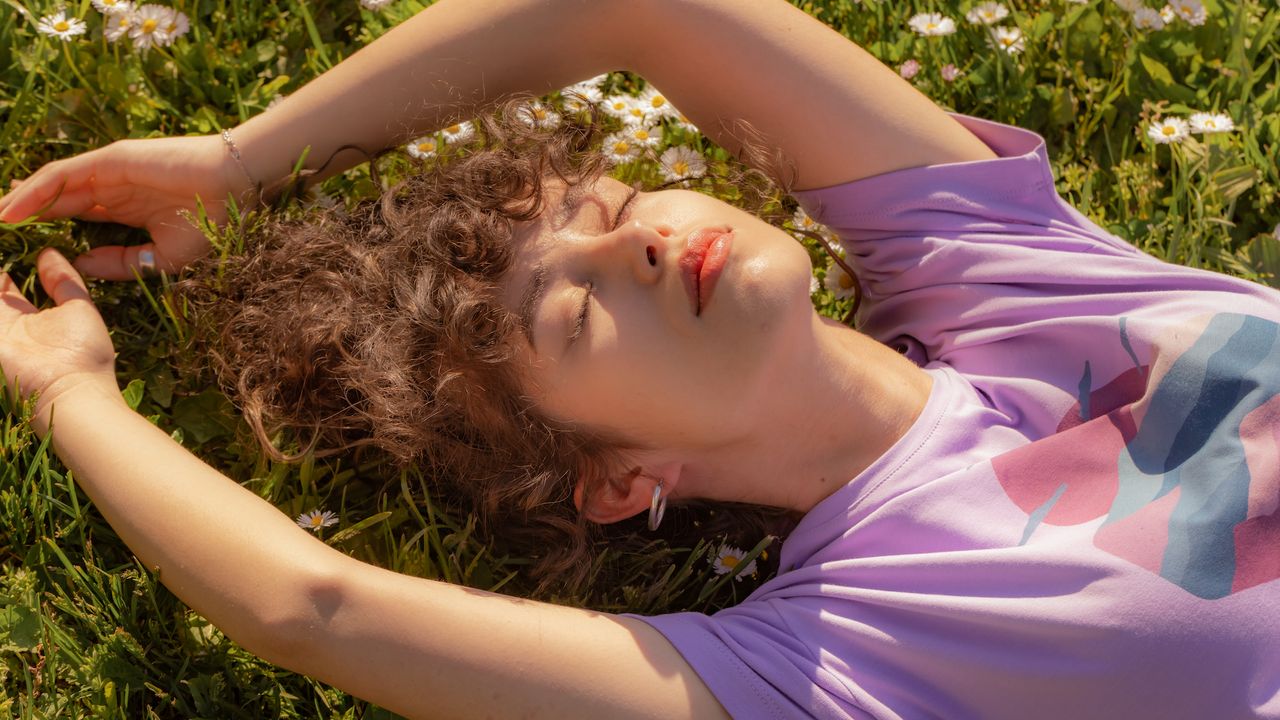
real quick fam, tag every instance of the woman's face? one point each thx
(627, 326)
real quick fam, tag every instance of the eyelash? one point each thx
(581, 322)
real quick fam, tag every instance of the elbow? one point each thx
(292, 630)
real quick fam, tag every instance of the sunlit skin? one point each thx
(756, 398)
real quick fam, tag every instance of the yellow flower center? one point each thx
(930, 26)
(427, 146)
(454, 129)
(316, 520)
(681, 167)
(62, 26)
(658, 101)
(621, 147)
(1169, 130)
(149, 25)
(729, 561)
(1210, 123)
(540, 114)
(642, 135)
(846, 282)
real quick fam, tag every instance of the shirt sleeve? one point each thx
(755, 666)
(934, 245)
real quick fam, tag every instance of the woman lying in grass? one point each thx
(1042, 482)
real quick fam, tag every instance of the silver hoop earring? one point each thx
(657, 509)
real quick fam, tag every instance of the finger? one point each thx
(11, 299)
(58, 178)
(59, 279)
(115, 262)
(69, 203)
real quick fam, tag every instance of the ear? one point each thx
(628, 494)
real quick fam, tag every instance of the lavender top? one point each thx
(1083, 521)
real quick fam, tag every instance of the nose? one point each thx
(636, 249)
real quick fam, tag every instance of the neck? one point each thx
(842, 402)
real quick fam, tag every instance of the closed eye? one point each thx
(617, 221)
(580, 324)
(584, 312)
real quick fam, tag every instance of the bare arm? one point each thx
(834, 110)
(415, 646)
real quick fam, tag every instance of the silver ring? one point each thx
(656, 509)
(146, 260)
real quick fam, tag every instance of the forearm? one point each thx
(433, 69)
(225, 552)
(420, 647)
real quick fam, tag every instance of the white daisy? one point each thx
(175, 26)
(932, 24)
(149, 26)
(316, 519)
(1129, 5)
(656, 104)
(317, 198)
(581, 96)
(685, 123)
(424, 147)
(117, 26)
(728, 558)
(538, 115)
(646, 136)
(113, 7)
(459, 133)
(1190, 10)
(1008, 39)
(618, 106)
(637, 113)
(681, 162)
(987, 13)
(840, 282)
(802, 221)
(61, 26)
(1145, 18)
(1166, 14)
(1169, 130)
(1211, 123)
(375, 4)
(619, 148)
(814, 285)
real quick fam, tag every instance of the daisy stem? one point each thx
(75, 69)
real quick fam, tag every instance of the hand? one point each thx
(55, 351)
(143, 183)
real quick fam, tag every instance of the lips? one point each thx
(703, 259)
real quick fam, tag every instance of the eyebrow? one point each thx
(529, 300)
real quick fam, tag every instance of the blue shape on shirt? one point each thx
(1190, 439)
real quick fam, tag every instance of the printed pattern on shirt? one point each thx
(1181, 457)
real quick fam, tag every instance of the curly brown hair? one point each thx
(382, 326)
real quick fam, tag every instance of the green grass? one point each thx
(87, 632)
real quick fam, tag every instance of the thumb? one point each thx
(59, 280)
